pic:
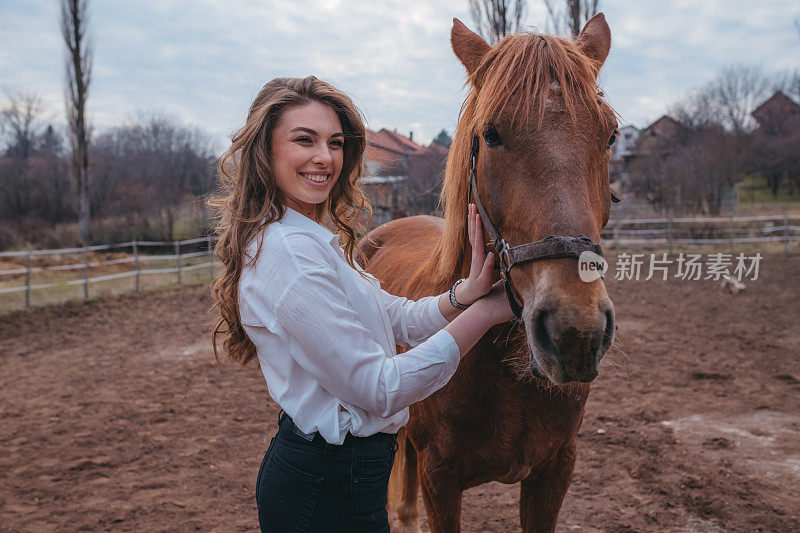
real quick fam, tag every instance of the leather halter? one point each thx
(551, 247)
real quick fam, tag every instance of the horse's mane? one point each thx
(518, 71)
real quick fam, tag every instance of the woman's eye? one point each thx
(304, 139)
(337, 144)
(491, 137)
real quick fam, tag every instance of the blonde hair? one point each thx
(250, 199)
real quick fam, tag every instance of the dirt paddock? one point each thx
(114, 416)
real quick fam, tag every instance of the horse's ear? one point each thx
(595, 39)
(468, 46)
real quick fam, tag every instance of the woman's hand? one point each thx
(479, 282)
(495, 305)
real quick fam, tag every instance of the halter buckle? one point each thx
(504, 254)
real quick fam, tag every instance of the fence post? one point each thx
(211, 257)
(136, 261)
(28, 277)
(786, 235)
(669, 231)
(730, 233)
(85, 272)
(178, 259)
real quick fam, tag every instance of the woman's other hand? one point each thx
(495, 304)
(479, 282)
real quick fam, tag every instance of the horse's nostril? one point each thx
(608, 334)
(541, 332)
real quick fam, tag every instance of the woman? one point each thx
(323, 330)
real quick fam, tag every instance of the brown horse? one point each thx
(512, 411)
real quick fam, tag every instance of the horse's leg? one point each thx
(404, 485)
(543, 492)
(441, 492)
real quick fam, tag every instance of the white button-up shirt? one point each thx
(326, 336)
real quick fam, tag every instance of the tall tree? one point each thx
(20, 121)
(570, 16)
(443, 139)
(497, 18)
(78, 62)
(796, 85)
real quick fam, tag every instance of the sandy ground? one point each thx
(114, 416)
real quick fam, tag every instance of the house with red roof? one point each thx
(397, 170)
(778, 115)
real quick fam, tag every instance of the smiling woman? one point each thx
(322, 330)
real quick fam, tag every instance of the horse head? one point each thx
(537, 132)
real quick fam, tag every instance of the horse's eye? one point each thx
(491, 137)
(613, 138)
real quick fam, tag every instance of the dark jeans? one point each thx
(315, 486)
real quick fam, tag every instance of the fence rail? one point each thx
(85, 265)
(670, 232)
(662, 233)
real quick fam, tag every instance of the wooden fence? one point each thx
(136, 258)
(669, 234)
(679, 233)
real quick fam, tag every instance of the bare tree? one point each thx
(696, 167)
(727, 101)
(424, 184)
(147, 169)
(738, 90)
(691, 172)
(777, 159)
(79, 56)
(569, 16)
(788, 82)
(496, 18)
(20, 121)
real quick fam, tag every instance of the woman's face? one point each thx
(307, 155)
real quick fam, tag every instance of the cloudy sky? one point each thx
(203, 61)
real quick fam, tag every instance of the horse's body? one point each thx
(485, 424)
(495, 421)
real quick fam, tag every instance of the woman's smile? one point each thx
(316, 179)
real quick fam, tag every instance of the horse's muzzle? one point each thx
(568, 346)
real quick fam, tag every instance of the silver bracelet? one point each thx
(453, 300)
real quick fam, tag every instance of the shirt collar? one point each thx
(294, 218)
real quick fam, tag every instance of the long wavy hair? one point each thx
(249, 198)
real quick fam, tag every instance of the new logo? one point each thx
(591, 266)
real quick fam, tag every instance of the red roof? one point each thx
(664, 127)
(386, 147)
(378, 151)
(778, 102)
(779, 112)
(400, 141)
(438, 148)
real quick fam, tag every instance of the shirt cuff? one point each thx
(436, 316)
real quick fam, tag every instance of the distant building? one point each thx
(390, 162)
(664, 128)
(779, 114)
(389, 151)
(623, 151)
